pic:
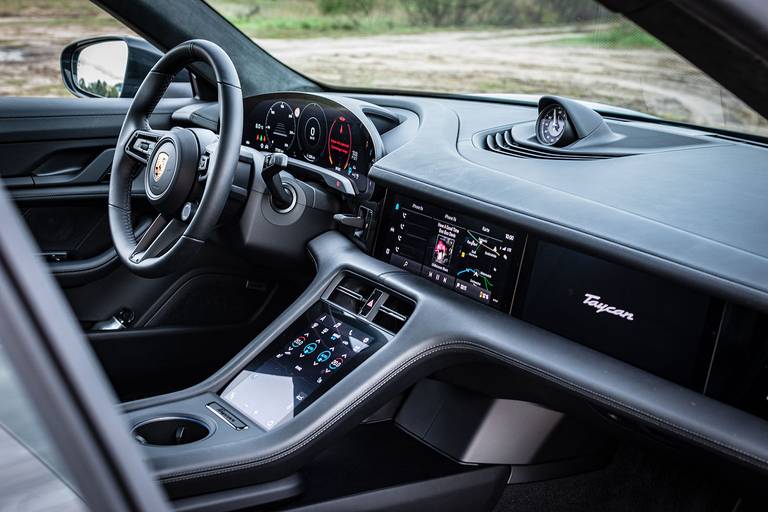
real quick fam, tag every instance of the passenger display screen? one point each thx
(311, 355)
(472, 257)
(639, 318)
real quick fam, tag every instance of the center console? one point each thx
(467, 289)
(319, 348)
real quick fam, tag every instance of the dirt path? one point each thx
(511, 61)
(654, 81)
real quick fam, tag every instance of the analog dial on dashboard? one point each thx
(551, 125)
(280, 126)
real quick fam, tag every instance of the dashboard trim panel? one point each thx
(423, 347)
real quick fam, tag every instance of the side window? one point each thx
(33, 34)
(33, 476)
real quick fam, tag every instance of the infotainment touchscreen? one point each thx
(468, 255)
(642, 319)
(310, 356)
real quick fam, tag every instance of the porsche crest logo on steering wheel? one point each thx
(160, 163)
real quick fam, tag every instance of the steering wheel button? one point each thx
(203, 164)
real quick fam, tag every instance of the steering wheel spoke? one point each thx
(163, 233)
(142, 143)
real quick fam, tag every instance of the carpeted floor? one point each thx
(634, 481)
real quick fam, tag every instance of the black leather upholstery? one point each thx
(223, 163)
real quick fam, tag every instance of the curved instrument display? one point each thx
(312, 129)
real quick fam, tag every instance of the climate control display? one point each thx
(313, 354)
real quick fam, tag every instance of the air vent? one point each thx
(377, 305)
(352, 293)
(393, 313)
(502, 142)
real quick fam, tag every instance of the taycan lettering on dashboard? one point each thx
(601, 307)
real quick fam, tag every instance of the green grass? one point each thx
(316, 26)
(619, 36)
(297, 19)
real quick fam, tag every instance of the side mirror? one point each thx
(112, 67)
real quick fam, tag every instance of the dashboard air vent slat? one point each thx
(351, 293)
(503, 142)
(382, 307)
(393, 313)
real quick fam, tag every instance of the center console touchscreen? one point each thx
(316, 351)
(473, 257)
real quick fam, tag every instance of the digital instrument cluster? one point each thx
(312, 129)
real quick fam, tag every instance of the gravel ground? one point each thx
(658, 82)
(512, 61)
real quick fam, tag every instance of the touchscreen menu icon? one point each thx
(473, 258)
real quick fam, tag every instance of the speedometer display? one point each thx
(280, 126)
(312, 129)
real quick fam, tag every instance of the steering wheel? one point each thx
(188, 207)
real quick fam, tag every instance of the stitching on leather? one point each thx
(247, 464)
(156, 99)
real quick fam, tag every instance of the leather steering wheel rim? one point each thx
(138, 254)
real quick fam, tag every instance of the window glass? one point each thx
(33, 476)
(32, 35)
(573, 48)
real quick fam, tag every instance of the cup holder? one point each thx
(170, 430)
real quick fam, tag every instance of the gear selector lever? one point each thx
(274, 163)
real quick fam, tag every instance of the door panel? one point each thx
(56, 156)
(68, 232)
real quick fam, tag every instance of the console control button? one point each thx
(438, 277)
(405, 263)
(370, 302)
(227, 416)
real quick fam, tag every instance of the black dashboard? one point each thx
(634, 278)
(558, 240)
(647, 321)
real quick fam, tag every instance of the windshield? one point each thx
(573, 48)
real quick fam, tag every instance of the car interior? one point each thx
(316, 298)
